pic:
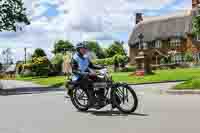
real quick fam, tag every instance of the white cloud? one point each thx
(99, 36)
(78, 20)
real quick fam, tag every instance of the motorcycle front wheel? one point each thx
(80, 99)
(125, 98)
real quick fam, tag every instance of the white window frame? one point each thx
(153, 45)
(178, 58)
(158, 44)
(175, 42)
(198, 37)
(145, 45)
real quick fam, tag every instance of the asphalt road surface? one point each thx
(52, 113)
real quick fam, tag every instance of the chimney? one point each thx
(138, 18)
(195, 3)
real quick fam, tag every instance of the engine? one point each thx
(99, 85)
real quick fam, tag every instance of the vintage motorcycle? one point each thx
(119, 95)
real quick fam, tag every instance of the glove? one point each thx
(92, 74)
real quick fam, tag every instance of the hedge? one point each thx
(110, 61)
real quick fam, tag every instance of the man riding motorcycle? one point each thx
(82, 74)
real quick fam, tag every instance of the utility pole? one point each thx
(25, 55)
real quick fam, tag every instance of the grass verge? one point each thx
(159, 76)
(193, 84)
(56, 81)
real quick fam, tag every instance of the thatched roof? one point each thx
(163, 27)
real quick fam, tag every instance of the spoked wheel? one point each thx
(80, 99)
(125, 99)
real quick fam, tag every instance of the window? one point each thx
(199, 56)
(151, 44)
(145, 45)
(198, 11)
(198, 37)
(142, 45)
(136, 46)
(158, 44)
(175, 43)
(178, 58)
(196, 56)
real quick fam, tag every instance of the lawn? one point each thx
(193, 84)
(49, 81)
(159, 76)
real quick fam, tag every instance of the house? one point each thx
(160, 36)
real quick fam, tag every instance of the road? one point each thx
(52, 113)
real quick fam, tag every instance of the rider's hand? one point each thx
(92, 74)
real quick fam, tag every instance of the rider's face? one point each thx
(83, 51)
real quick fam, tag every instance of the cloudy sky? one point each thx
(77, 20)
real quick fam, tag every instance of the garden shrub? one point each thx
(41, 66)
(27, 73)
(110, 61)
(19, 68)
(57, 62)
(163, 61)
(128, 69)
(189, 57)
(2, 75)
(27, 66)
(25, 70)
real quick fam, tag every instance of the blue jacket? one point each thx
(81, 66)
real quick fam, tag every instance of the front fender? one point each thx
(69, 88)
(116, 85)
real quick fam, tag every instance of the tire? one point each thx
(75, 100)
(116, 97)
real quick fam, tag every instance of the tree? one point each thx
(95, 47)
(196, 25)
(62, 46)
(115, 48)
(57, 62)
(12, 12)
(1, 66)
(7, 56)
(39, 53)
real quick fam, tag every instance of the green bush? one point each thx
(129, 69)
(163, 61)
(57, 62)
(41, 66)
(110, 61)
(189, 57)
(2, 75)
(27, 73)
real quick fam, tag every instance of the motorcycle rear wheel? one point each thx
(124, 93)
(80, 99)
